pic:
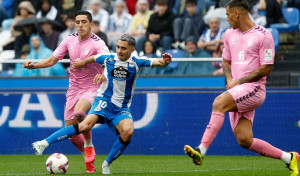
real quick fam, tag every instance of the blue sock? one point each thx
(62, 134)
(117, 149)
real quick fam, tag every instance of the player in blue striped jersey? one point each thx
(111, 106)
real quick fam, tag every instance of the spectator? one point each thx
(160, 27)
(19, 70)
(25, 10)
(140, 20)
(180, 9)
(185, 26)
(49, 35)
(149, 51)
(96, 30)
(99, 14)
(27, 31)
(210, 38)
(70, 23)
(192, 51)
(38, 50)
(273, 11)
(132, 6)
(119, 23)
(48, 10)
(218, 54)
(171, 4)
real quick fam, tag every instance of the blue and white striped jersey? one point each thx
(121, 77)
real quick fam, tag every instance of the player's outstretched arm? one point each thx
(167, 58)
(81, 63)
(50, 61)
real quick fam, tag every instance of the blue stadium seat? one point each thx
(291, 15)
(275, 35)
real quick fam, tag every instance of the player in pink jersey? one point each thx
(82, 90)
(248, 58)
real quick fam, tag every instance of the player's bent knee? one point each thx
(244, 141)
(127, 134)
(79, 115)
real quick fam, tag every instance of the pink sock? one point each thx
(265, 149)
(78, 142)
(212, 129)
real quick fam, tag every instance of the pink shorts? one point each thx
(73, 96)
(248, 97)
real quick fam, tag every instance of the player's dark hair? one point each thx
(128, 38)
(162, 2)
(88, 14)
(243, 4)
(192, 2)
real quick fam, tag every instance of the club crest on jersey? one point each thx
(120, 73)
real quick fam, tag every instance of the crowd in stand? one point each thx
(188, 28)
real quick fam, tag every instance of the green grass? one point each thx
(151, 165)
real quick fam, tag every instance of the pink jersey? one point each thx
(248, 50)
(81, 78)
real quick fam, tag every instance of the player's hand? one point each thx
(78, 64)
(99, 78)
(167, 58)
(232, 83)
(29, 65)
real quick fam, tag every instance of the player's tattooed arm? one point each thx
(227, 70)
(81, 63)
(256, 75)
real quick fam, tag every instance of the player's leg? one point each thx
(65, 133)
(76, 140)
(72, 99)
(244, 135)
(125, 128)
(223, 103)
(82, 106)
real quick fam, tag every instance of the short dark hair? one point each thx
(88, 14)
(192, 2)
(162, 2)
(70, 15)
(243, 4)
(128, 38)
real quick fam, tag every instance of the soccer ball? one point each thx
(57, 163)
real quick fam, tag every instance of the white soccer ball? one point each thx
(57, 163)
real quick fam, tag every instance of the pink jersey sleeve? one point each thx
(226, 51)
(62, 49)
(267, 49)
(102, 49)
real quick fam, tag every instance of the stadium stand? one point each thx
(291, 15)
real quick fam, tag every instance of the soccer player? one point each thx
(82, 91)
(111, 106)
(248, 58)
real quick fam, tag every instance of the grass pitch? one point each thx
(141, 165)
